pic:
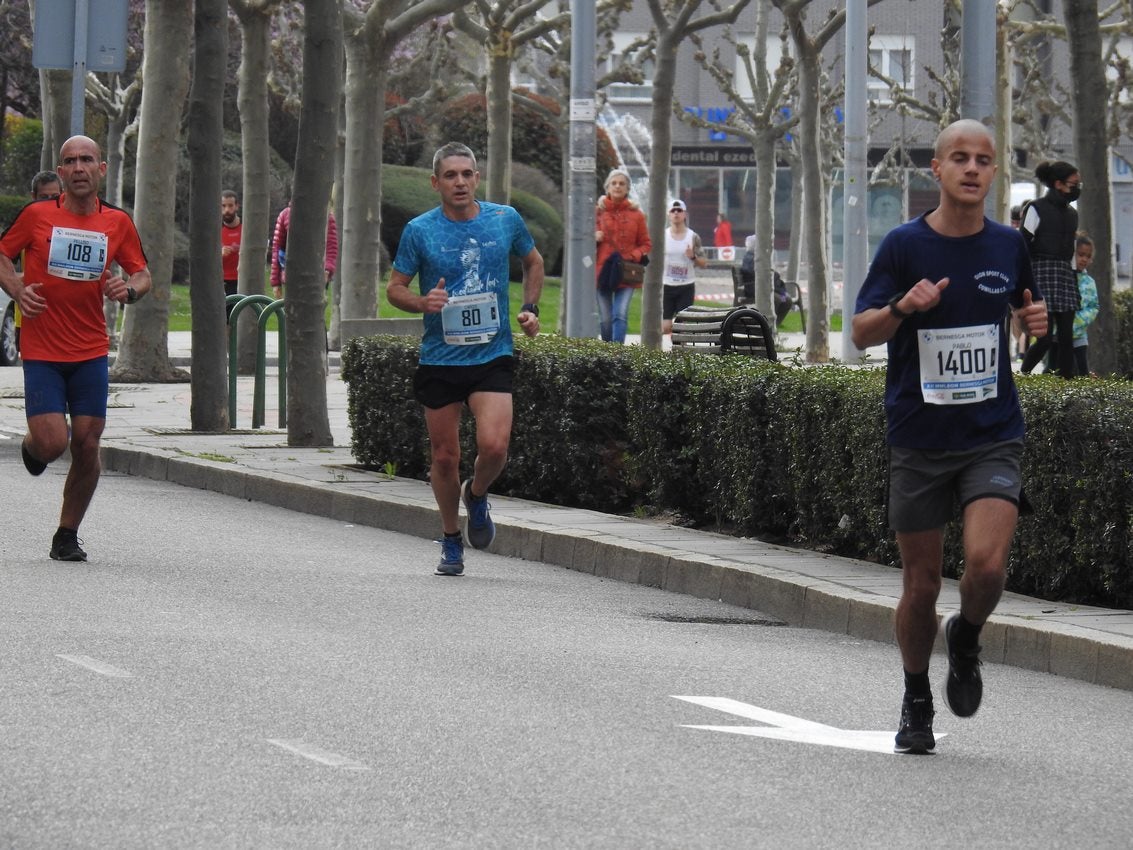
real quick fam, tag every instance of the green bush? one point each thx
(788, 454)
(23, 143)
(10, 205)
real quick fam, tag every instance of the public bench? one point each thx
(724, 330)
(788, 295)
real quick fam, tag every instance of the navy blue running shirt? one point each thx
(963, 395)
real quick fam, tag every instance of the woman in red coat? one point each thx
(620, 229)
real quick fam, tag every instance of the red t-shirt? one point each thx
(231, 262)
(78, 249)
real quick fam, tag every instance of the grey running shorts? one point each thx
(925, 486)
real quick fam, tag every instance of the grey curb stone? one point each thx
(798, 587)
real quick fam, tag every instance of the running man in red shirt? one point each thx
(69, 243)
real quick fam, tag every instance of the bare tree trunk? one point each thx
(814, 210)
(499, 124)
(143, 354)
(661, 154)
(334, 339)
(208, 407)
(55, 95)
(1087, 74)
(255, 205)
(361, 194)
(798, 232)
(307, 421)
(370, 40)
(765, 163)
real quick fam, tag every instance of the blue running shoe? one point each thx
(479, 531)
(452, 557)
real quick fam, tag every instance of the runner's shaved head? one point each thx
(963, 127)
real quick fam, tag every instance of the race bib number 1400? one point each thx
(959, 365)
(77, 254)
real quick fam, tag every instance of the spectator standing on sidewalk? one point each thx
(459, 254)
(684, 254)
(1088, 311)
(622, 236)
(279, 250)
(937, 293)
(231, 230)
(68, 245)
(1049, 225)
(722, 235)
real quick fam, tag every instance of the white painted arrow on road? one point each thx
(784, 727)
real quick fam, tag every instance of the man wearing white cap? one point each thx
(684, 253)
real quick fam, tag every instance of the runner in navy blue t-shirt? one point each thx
(938, 292)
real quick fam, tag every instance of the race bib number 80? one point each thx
(77, 254)
(959, 365)
(471, 319)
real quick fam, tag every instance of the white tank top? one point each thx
(678, 267)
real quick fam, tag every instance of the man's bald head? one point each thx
(963, 127)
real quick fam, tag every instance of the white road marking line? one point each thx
(96, 666)
(785, 727)
(310, 751)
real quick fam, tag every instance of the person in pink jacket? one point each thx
(279, 250)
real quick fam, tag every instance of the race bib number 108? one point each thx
(959, 365)
(77, 254)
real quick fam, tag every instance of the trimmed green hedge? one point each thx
(793, 455)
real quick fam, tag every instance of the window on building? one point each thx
(774, 57)
(628, 92)
(892, 57)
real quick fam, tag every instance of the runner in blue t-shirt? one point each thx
(938, 292)
(459, 254)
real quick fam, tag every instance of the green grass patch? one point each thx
(181, 317)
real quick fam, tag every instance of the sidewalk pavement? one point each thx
(148, 434)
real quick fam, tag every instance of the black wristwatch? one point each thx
(895, 310)
(530, 308)
(131, 295)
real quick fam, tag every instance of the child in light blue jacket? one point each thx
(1083, 256)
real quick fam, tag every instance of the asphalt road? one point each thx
(225, 674)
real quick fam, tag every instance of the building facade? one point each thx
(914, 46)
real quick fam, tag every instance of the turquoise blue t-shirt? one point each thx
(472, 257)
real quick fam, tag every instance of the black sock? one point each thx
(456, 535)
(66, 532)
(966, 635)
(917, 684)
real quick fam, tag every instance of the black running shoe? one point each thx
(35, 467)
(965, 687)
(915, 734)
(65, 546)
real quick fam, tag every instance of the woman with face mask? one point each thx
(1049, 226)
